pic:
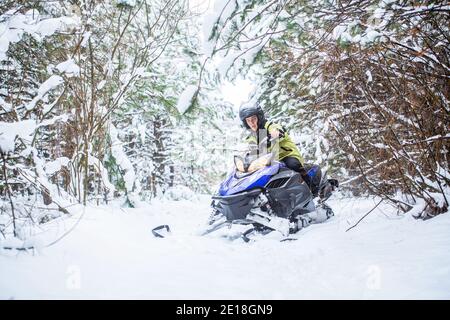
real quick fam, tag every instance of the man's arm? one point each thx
(275, 131)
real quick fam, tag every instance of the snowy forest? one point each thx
(114, 119)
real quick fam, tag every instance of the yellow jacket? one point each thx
(287, 147)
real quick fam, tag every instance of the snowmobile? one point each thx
(266, 195)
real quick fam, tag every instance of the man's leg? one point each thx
(293, 164)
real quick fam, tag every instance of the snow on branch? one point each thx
(186, 98)
(14, 25)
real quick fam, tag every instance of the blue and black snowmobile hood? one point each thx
(258, 179)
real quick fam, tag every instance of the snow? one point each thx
(56, 165)
(370, 36)
(51, 83)
(130, 3)
(86, 36)
(379, 13)
(122, 159)
(237, 92)
(226, 63)
(104, 174)
(207, 26)
(14, 25)
(101, 84)
(51, 121)
(179, 192)
(342, 32)
(111, 254)
(219, 14)
(69, 67)
(338, 31)
(9, 131)
(185, 99)
(369, 76)
(142, 129)
(380, 145)
(417, 9)
(226, 7)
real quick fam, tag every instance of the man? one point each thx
(261, 140)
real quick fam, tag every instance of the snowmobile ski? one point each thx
(161, 227)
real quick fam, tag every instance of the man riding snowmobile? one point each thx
(267, 189)
(262, 130)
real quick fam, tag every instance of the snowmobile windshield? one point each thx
(254, 165)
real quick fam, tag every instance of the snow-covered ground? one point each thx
(111, 253)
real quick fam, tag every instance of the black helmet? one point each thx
(246, 111)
